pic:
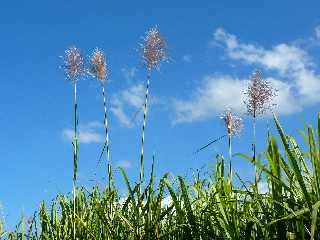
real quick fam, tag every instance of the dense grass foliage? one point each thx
(208, 207)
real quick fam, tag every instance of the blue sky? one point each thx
(214, 47)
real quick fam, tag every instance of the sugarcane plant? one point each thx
(99, 70)
(154, 52)
(233, 126)
(259, 96)
(74, 69)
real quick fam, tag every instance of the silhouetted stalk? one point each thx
(208, 144)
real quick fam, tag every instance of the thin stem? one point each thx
(107, 138)
(230, 157)
(74, 210)
(254, 151)
(143, 127)
(211, 142)
(75, 158)
(75, 138)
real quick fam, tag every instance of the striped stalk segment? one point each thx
(75, 158)
(75, 137)
(230, 156)
(107, 137)
(144, 126)
(254, 151)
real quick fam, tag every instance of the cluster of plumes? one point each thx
(260, 93)
(74, 64)
(99, 65)
(232, 122)
(154, 49)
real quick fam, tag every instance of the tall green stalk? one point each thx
(254, 151)
(230, 156)
(154, 51)
(259, 93)
(234, 126)
(75, 158)
(145, 111)
(107, 138)
(99, 70)
(74, 67)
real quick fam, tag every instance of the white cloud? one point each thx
(129, 73)
(216, 94)
(213, 96)
(285, 101)
(128, 99)
(128, 103)
(134, 96)
(187, 58)
(288, 61)
(282, 57)
(290, 69)
(317, 32)
(87, 133)
(117, 109)
(124, 164)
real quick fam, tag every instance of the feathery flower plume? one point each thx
(154, 49)
(99, 65)
(74, 68)
(232, 122)
(100, 72)
(154, 52)
(234, 126)
(260, 94)
(74, 64)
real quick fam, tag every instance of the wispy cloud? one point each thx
(217, 93)
(88, 133)
(289, 68)
(126, 103)
(214, 95)
(288, 61)
(317, 32)
(129, 73)
(187, 58)
(124, 164)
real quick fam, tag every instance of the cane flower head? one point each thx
(74, 64)
(232, 122)
(154, 49)
(99, 65)
(260, 93)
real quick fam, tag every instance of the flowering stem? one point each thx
(144, 126)
(107, 138)
(75, 158)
